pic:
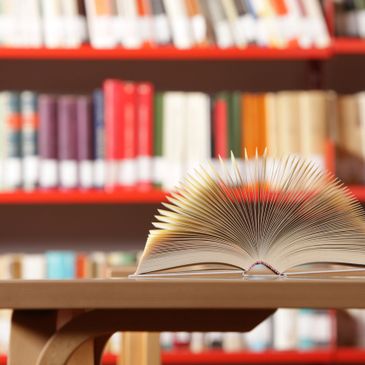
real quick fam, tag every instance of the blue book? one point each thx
(60, 265)
(99, 138)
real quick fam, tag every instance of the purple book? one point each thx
(67, 141)
(85, 148)
(47, 108)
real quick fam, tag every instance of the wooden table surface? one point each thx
(182, 293)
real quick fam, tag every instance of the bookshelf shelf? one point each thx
(348, 46)
(86, 52)
(118, 196)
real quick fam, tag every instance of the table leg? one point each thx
(140, 348)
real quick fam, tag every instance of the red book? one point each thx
(220, 128)
(145, 133)
(113, 115)
(128, 136)
(81, 266)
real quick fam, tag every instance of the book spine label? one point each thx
(145, 137)
(67, 142)
(13, 176)
(128, 133)
(84, 141)
(29, 115)
(99, 139)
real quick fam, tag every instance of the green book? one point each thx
(157, 139)
(234, 123)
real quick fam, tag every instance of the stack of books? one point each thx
(183, 23)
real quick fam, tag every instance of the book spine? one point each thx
(72, 36)
(101, 23)
(48, 177)
(145, 133)
(145, 21)
(220, 128)
(99, 139)
(128, 135)
(179, 22)
(221, 26)
(67, 142)
(52, 23)
(113, 90)
(235, 143)
(13, 163)
(128, 13)
(3, 143)
(30, 121)
(158, 160)
(198, 23)
(84, 141)
(160, 25)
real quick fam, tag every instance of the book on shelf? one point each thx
(128, 134)
(284, 215)
(184, 24)
(350, 18)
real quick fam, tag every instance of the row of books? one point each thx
(350, 138)
(287, 329)
(128, 135)
(184, 23)
(350, 18)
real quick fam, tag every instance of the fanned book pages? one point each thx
(280, 214)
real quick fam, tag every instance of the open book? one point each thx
(280, 214)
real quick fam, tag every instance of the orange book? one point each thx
(103, 7)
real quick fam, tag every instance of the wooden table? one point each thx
(64, 322)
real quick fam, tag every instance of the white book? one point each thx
(197, 143)
(161, 32)
(232, 342)
(101, 23)
(260, 338)
(27, 27)
(145, 23)
(360, 99)
(72, 24)
(262, 30)
(197, 342)
(198, 26)
(235, 23)
(5, 329)
(130, 32)
(360, 20)
(222, 29)
(322, 328)
(53, 27)
(285, 329)
(318, 28)
(173, 141)
(33, 267)
(179, 23)
(298, 25)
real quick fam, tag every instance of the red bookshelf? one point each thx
(86, 52)
(348, 46)
(122, 196)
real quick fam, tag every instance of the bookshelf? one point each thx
(184, 357)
